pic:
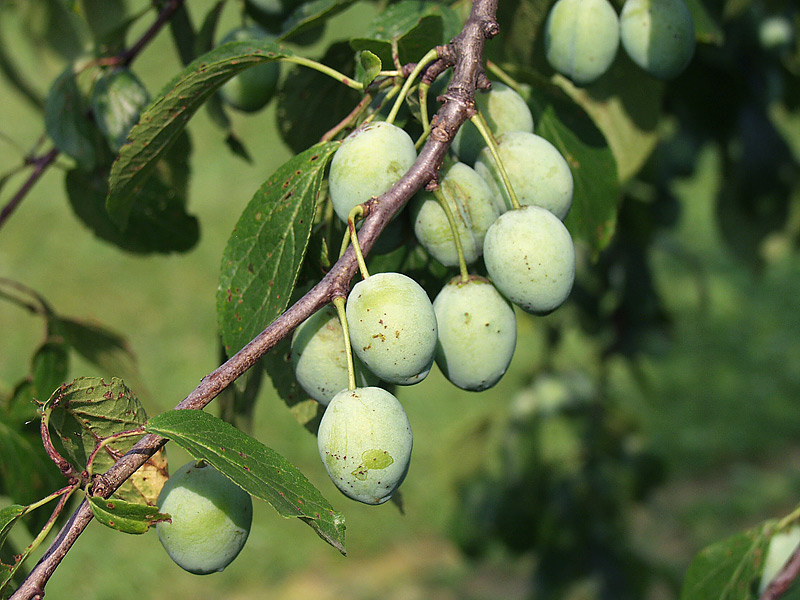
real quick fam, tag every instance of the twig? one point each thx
(41, 165)
(458, 101)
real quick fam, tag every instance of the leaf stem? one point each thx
(339, 304)
(462, 263)
(429, 57)
(479, 122)
(325, 69)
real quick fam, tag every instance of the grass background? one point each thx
(718, 404)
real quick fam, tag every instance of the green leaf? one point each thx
(520, 41)
(97, 344)
(593, 216)
(182, 30)
(730, 569)
(66, 119)
(414, 26)
(163, 121)
(90, 409)
(266, 249)
(311, 15)
(50, 368)
(127, 517)
(706, 28)
(370, 65)
(26, 472)
(259, 470)
(117, 99)
(307, 92)
(8, 518)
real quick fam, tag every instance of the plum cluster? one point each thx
(498, 211)
(581, 37)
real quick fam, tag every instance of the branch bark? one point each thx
(464, 53)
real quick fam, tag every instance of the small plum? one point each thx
(369, 162)
(319, 358)
(536, 169)
(474, 209)
(365, 441)
(658, 35)
(504, 110)
(392, 327)
(253, 88)
(581, 38)
(530, 258)
(211, 518)
(477, 333)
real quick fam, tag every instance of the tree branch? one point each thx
(41, 165)
(464, 53)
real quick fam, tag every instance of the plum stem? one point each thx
(462, 263)
(491, 143)
(338, 303)
(358, 211)
(429, 57)
(326, 70)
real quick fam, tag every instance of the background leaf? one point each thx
(164, 120)
(127, 517)
(8, 518)
(257, 469)
(266, 249)
(118, 98)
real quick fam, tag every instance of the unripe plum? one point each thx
(536, 169)
(319, 358)
(477, 333)
(474, 209)
(365, 441)
(251, 89)
(211, 518)
(369, 162)
(503, 109)
(581, 38)
(392, 327)
(530, 258)
(658, 35)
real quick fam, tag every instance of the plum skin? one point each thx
(658, 35)
(503, 109)
(538, 173)
(211, 518)
(530, 258)
(369, 162)
(365, 442)
(253, 88)
(581, 38)
(319, 358)
(392, 327)
(477, 333)
(474, 209)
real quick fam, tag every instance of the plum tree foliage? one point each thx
(386, 124)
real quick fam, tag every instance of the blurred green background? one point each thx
(713, 396)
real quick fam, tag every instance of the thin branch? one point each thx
(458, 105)
(41, 165)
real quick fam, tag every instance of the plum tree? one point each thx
(504, 110)
(369, 161)
(365, 441)
(392, 327)
(473, 207)
(211, 518)
(250, 90)
(319, 357)
(538, 173)
(530, 258)
(581, 38)
(477, 333)
(658, 35)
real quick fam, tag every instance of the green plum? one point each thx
(581, 38)
(658, 35)
(474, 209)
(365, 441)
(369, 162)
(253, 88)
(537, 171)
(504, 110)
(530, 258)
(392, 327)
(211, 518)
(319, 358)
(477, 333)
